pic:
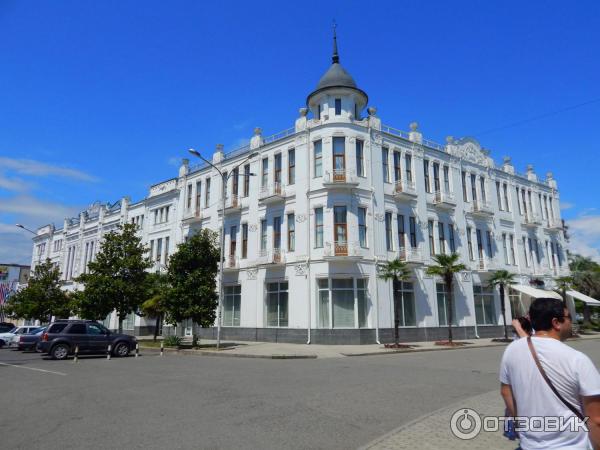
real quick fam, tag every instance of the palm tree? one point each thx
(502, 279)
(396, 271)
(154, 306)
(446, 266)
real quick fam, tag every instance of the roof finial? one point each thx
(335, 58)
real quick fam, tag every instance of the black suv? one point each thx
(61, 337)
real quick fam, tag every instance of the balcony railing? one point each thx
(271, 193)
(443, 199)
(231, 263)
(483, 264)
(340, 177)
(233, 203)
(274, 256)
(554, 224)
(403, 188)
(531, 220)
(481, 208)
(343, 250)
(410, 255)
(192, 214)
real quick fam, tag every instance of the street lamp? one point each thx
(24, 228)
(224, 178)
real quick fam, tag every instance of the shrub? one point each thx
(172, 341)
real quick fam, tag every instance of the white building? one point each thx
(333, 197)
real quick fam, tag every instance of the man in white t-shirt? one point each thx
(572, 373)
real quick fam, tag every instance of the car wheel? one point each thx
(1, 343)
(59, 351)
(122, 349)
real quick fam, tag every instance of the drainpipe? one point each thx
(374, 240)
(308, 235)
(376, 303)
(476, 330)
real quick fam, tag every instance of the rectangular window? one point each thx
(519, 201)
(198, 194)
(342, 303)
(291, 166)
(525, 251)
(362, 227)
(319, 112)
(505, 249)
(276, 233)
(318, 158)
(401, 233)
(360, 163)
(524, 202)
(413, 231)
(473, 188)
(436, 177)
(385, 153)
(244, 240)
(291, 237)
(277, 304)
(498, 196)
(490, 247)
(207, 193)
(167, 250)
(441, 237)
(470, 244)
(485, 311)
(479, 243)
(340, 230)
(408, 167)
(362, 301)
(338, 106)
(342, 296)
(264, 180)
(224, 179)
(232, 241)
(482, 187)
(530, 245)
(189, 196)
(397, 169)
(388, 232)
(235, 180)
(446, 179)
(318, 227)
(263, 236)
(405, 297)
(277, 177)
(505, 191)
(512, 250)
(426, 174)
(538, 252)
(451, 238)
(443, 307)
(339, 158)
(431, 239)
(323, 299)
(463, 178)
(158, 249)
(152, 250)
(246, 180)
(231, 306)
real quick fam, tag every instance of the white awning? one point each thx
(584, 298)
(534, 292)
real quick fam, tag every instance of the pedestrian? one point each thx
(543, 378)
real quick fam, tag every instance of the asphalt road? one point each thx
(185, 402)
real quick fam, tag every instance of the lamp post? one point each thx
(224, 179)
(24, 228)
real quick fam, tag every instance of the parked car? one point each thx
(9, 337)
(61, 337)
(29, 341)
(5, 327)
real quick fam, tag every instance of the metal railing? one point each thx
(405, 187)
(394, 131)
(343, 249)
(271, 190)
(410, 254)
(340, 176)
(281, 135)
(480, 206)
(441, 197)
(273, 256)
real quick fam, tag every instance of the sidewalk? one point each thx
(274, 350)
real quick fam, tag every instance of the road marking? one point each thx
(33, 368)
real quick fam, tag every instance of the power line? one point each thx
(541, 116)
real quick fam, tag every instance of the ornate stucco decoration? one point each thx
(468, 149)
(251, 274)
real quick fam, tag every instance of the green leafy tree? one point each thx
(43, 297)
(395, 271)
(446, 267)
(158, 290)
(586, 279)
(116, 280)
(502, 279)
(192, 278)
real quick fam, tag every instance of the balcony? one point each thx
(340, 178)
(233, 204)
(554, 225)
(274, 257)
(442, 200)
(483, 264)
(192, 215)
(481, 209)
(343, 251)
(272, 193)
(232, 264)
(410, 255)
(531, 221)
(405, 190)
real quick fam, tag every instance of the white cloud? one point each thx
(13, 184)
(584, 232)
(40, 169)
(15, 249)
(566, 205)
(34, 208)
(174, 161)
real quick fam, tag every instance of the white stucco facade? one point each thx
(330, 200)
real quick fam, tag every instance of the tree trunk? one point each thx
(396, 315)
(503, 308)
(156, 327)
(450, 309)
(587, 315)
(120, 324)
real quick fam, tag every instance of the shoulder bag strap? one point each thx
(545, 377)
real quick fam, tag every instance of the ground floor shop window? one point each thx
(129, 321)
(343, 302)
(485, 310)
(277, 304)
(517, 307)
(405, 296)
(442, 305)
(231, 306)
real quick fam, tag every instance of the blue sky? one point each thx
(102, 99)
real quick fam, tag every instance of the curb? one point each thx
(189, 352)
(431, 349)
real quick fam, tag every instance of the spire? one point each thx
(335, 58)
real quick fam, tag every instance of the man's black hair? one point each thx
(543, 310)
